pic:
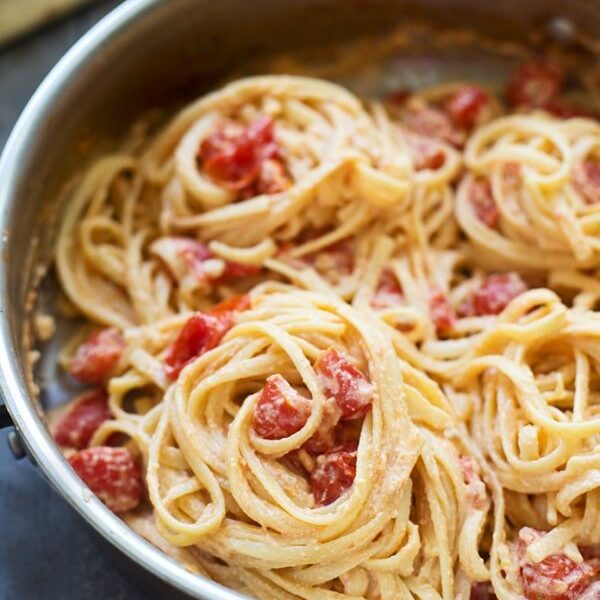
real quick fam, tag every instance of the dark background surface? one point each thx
(47, 552)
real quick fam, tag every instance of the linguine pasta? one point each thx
(350, 348)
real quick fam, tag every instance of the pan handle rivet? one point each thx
(15, 445)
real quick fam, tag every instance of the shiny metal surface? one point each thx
(150, 53)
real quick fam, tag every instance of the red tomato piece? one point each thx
(389, 291)
(273, 177)
(432, 123)
(426, 152)
(237, 271)
(334, 474)
(440, 310)
(472, 478)
(483, 203)
(281, 410)
(482, 591)
(112, 474)
(586, 179)
(399, 96)
(201, 333)
(467, 105)
(183, 256)
(557, 577)
(493, 296)
(325, 437)
(226, 309)
(535, 84)
(244, 159)
(341, 380)
(97, 356)
(77, 427)
(564, 110)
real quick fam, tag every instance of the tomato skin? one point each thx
(246, 160)
(493, 296)
(535, 84)
(340, 379)
(112, 474)
(201, 333)
(467, 105)
(440, 310)
(77, 427)
(557, 577)
(334, 474)
(95, 359)
(483, 203)
(586, 179)
(281, 411)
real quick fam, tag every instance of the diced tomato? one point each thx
(334, 474)
(244, 159)
(96, 358)
(472, 478)
(201, 333)
(184, 257)
(565, 110)
(483, 203)
(493, 296)
(440, 310)
(557, 577)
(237, 271)
(112, 474)
(325, 437)
(388, 292)
(341, 380)
(399, 96)
(586, 179)
(482, 591)
(273, 177)
(426, 152)
(77, 427)
(467, 105)
(433, 123)
(535, 84)
(280, 411)
(226, 309)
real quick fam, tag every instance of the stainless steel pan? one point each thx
(150, 53)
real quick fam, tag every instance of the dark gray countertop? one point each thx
(46, 550)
